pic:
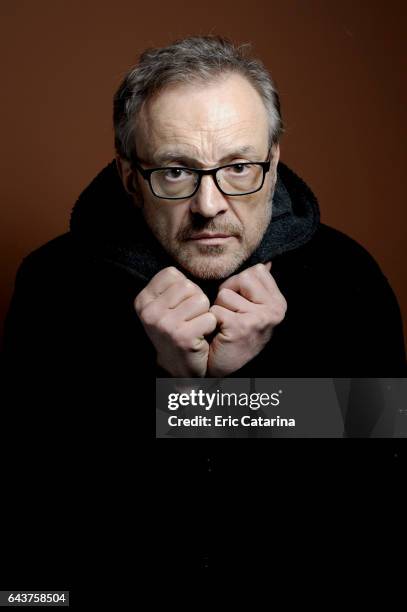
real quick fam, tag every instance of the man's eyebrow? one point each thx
(180, 156)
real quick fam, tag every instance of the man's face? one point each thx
(206, 125)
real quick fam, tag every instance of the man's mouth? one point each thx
(211, 238)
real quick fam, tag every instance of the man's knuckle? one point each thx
(223, 293)
(212, 320)
(203, 301)
(281, 309)
(246, 279)
(174, 272)
(148, 315)
(213, 310)
(152, 316)
(189, 284)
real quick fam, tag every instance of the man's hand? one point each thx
(175, 314)
(248, 307)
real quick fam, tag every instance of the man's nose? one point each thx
(208, 200)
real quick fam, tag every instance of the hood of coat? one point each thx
(110, 228)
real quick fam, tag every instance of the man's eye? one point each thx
(176, 173)
(239, 168)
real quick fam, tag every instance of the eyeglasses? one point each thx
(179, 182)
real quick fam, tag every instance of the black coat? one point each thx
(79, 366)
(73, 310)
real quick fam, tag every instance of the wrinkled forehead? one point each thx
(204, 118)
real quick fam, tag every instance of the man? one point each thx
(197, 250)
(195, 253)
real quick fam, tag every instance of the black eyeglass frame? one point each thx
(146, 174)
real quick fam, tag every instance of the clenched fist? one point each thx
(175, 315)
(248, 307)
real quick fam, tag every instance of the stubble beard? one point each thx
(216, 262)
(210, 262)
(213, 262)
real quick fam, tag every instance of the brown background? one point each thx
(338, 67)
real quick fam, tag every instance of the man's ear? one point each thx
(128, 179)
(276, 154)
(125, 173)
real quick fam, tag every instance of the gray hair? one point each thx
(192, 59)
